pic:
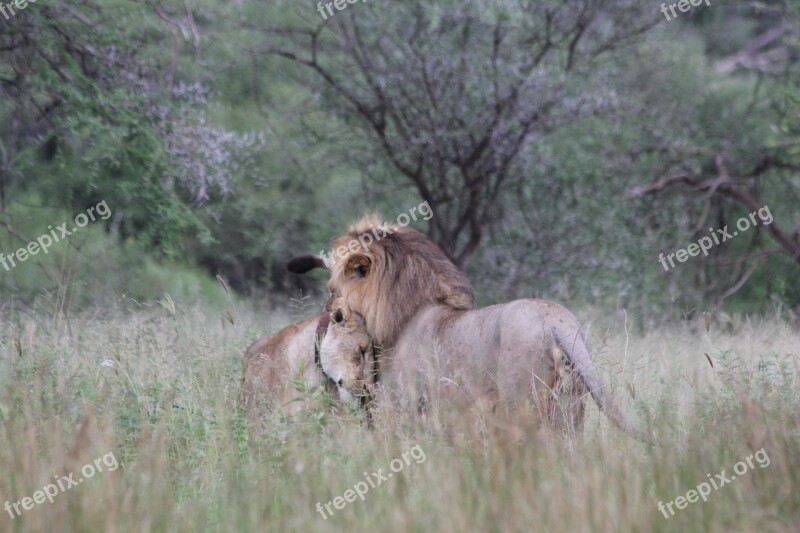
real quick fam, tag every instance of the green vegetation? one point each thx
(223, 148)
(562, 146)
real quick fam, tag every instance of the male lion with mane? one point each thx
(386, 279)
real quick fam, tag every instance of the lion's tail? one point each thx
(576, 346)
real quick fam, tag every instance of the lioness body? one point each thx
(272, 363)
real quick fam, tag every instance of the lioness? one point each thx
(272, 363)
(498, 356)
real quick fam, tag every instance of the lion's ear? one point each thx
(303, 263)
(357, 266)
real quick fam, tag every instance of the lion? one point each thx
(358, 369)
(498, 357)
(272, 364)
(386, 273)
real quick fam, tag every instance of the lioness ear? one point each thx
(303, 263)
(357, 266)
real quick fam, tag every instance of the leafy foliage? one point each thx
(232, 137)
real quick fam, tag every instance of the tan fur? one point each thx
(272, 363)
(358, 366)
(388, 279)
(496, 357)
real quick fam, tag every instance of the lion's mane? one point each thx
(388, 272)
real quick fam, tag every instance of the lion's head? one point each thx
(386, 273)
(346, 353)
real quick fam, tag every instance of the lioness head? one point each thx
(347, 355)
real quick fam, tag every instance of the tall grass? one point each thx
(158, 387)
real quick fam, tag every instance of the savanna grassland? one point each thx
(157, 385)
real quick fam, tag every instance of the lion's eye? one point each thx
(363, 354)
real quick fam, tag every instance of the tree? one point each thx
(453, 95)
(750, 168)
